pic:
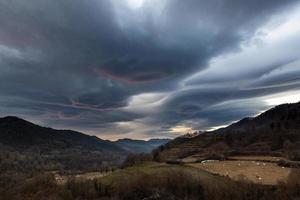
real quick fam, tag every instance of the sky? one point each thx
(147, 68)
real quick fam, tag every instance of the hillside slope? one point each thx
(24, 135)
(27, 147)
(274, 132)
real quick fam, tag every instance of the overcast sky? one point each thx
(147, 68)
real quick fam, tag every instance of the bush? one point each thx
(134, 159)
(294, 155)
(291, 188)
(289, 164)
(174, 162)
(293, 183)
(171, 184)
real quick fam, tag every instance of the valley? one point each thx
(250, 159)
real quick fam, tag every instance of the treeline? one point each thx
(67, 160)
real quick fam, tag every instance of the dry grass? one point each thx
(92, 175)
(257, 172)
(62, 179)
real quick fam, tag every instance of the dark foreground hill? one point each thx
(24, 135)
(274, 132)
(140, 146)
(25, 146)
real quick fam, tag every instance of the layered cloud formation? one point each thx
(146, 68)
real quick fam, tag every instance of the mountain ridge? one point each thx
(23, 134)
(275, 131)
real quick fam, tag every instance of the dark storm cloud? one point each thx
(214, 115)
(217, 106)
(226, 14)
(79, 63)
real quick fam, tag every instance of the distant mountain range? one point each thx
(276, 131)
(140, 146)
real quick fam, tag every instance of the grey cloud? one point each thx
(217, 106)
(77, 63)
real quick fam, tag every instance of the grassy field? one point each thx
(148, 180)
(156, 169)
(258, 172)
(180, 178)
(62, 179)
(257, 169)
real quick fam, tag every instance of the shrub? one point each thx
(173, 184)
(293, 183)
(290, 164)
(134, 159)
(174, 162)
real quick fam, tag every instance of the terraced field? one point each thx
(258, 158)
(256, 169)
